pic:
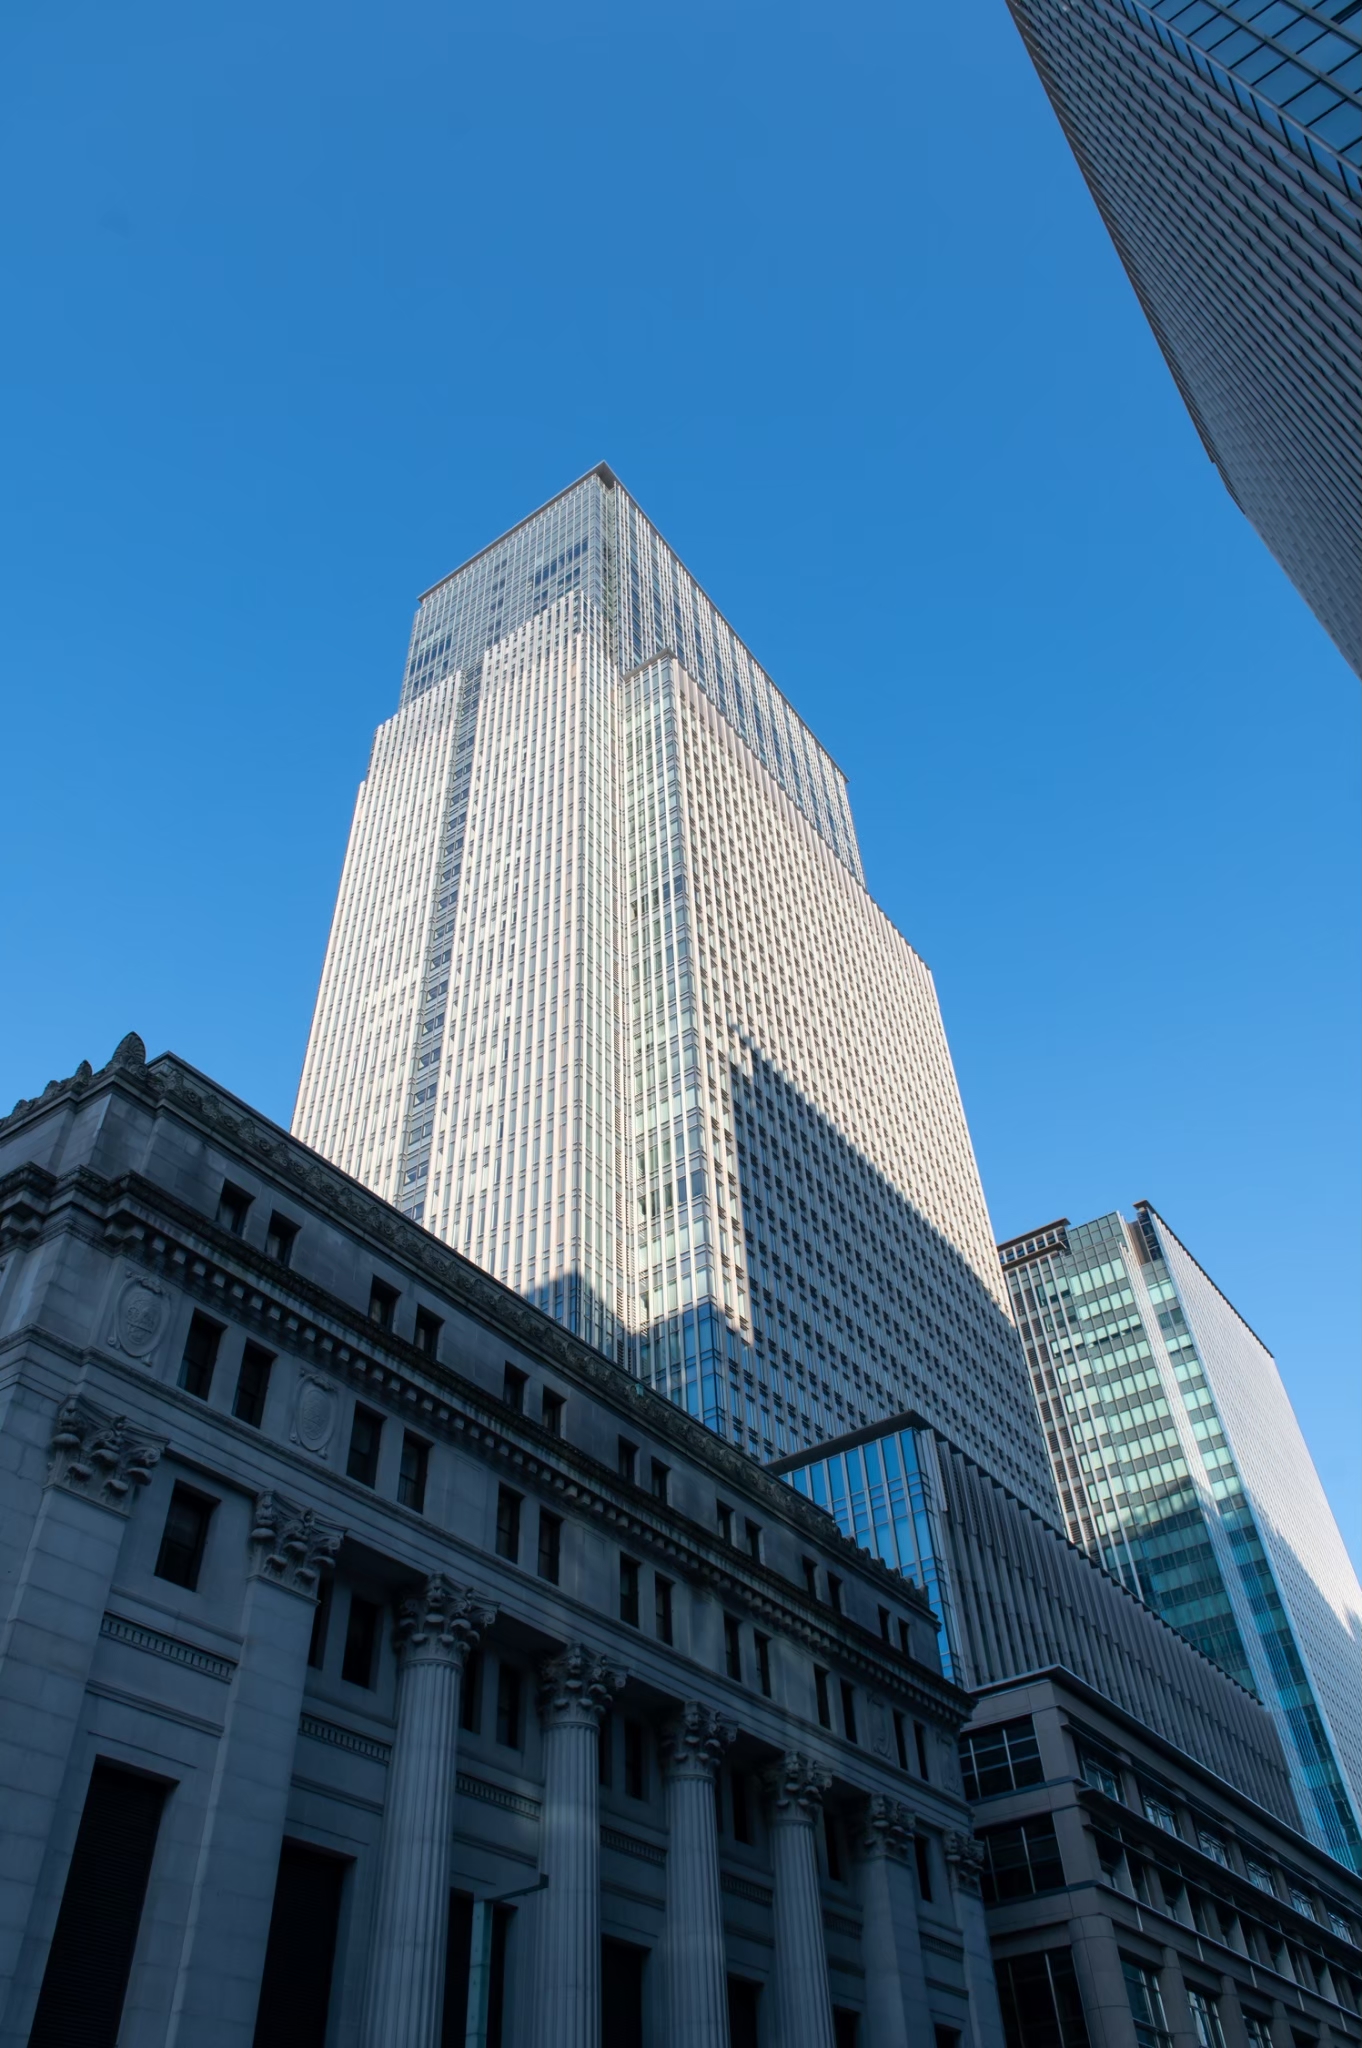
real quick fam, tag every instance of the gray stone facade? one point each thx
(342, 1595)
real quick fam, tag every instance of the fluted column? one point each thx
(896, 2010)
(697, 1979)
(964, 1860)
(575, 1689)
(794, 1796)
(435, 1632)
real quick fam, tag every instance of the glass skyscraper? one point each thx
(1222, 141)
(1181, 1468)
(608, 1007)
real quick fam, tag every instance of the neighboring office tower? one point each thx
(1222, 142)
(1181, 1466)
(607, 1007)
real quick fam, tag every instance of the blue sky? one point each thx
(308, 304)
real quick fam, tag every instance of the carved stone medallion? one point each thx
(314, 1413)
(140, 1315)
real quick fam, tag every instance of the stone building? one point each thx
(382, 1665)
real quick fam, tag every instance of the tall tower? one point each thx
(608, 1008)
(1222, 142)
(1181, 1467)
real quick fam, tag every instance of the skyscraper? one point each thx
(1181, 1467)
(607, 1007)
(1222, 142)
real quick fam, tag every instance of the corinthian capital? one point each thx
(885, 1828)
(103, 1457)
(290, 1544)
(965, 1860)
(442, 1623)
(576, 1687)
(693, 1743)
(794, 1789)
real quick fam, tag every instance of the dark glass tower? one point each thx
(1222, 143)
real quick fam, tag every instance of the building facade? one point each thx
(1222, 142)
(1180, 1466)
(382, 1665)
(607, 1007)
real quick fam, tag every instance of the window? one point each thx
(280, 1239)
(180, 1556)
(752, 1531)
(382, 1304)
(550, 1545)
(834, 1593)
(849, 1710)
(763, 1649)
(605, 1749)
(1342, 1928)
(832, 1846)
(661, 1478)
(635, 1760)
(1040, 2001)
(1260, 1875)
(627, 1460)
(820, 1687)
(900, 1740)
(810, 1565)
(513, 1384)
(662, 1607)
(1099, 1775)
(1258, 2030)
(321, 1625)
(411, 1475)
(922, 1856)
(1303, 1903)
(1020, 1860)
(426, 1335)
(551, 1412)
(629, 1590)
(233, 1207)
(733, 1647)
(1160, 1812)
(920, 1743)
(724, 1516)
(361, 1641)
(905, 1638)
(742, 1807)
(1146, 2005)
(884, 1623)
(1214, 1846)
(200, 1355)
(508, 1524)
(1206, 2019)
(366, 1434)
(508, 1706)
(1003, 1758)
(470, 1694)
(252, 1384)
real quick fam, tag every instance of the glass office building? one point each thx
(1181, 1467)
(1222, 140)
(608, 1007)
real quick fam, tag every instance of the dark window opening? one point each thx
(733, 1647)
(382, 1304)
(513, 1385)
(834, 1593)
(550, 1545)
(233, 1208)
(321, 1623)
(849, 1710)
(752, 1531)
(458, 1952)
(635, 1760)
(846, 2027)
(900, 1740)
(820, 1687)
(884, 1623)
(810, 1576)
(508, 1524)
(832, 1846)
(200, 1355)
(361, 1642)
(280, 1239)
(920, 1741)
(946, 2037)
(905, 1638)
(180, 1557)
(923, 1857)
(605, 1750)
(622, 1973)
(252, 1385)
(763, 1649)
(1021, 1860)
(661, 1479)
(366, 1434)
(629, 1590)
(662, 1607)
(627, 1459)
(723, 1515)
(411, 1473)
(295, 1986)
(1003, 1758)
(508, 1706)
(742, 1808)
(551, 1411)
(744, 2004)
(426, 1335)
(470, 1694)
(1040, 2001)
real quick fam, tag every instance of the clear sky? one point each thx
(306, 304)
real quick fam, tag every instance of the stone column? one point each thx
(697, 1977)
(405, 2001)
(964, 1861)
(794, 1802)
(575, 1689)
(222, 1952)
(896, 2010)
(48, 1632)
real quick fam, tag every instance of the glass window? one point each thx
(1303, 1902)
(1160, 1812)
(1146, 2004)
(550, 1545)
(252, 1385)
(508, 1706)
(1213, 1845)
(1260, 1875)
(200, 1355)
(1020, 1860)
(411, 1477)
(366, 1434)
(1040, 2002)
(508, 1524)
(1099, 1775)
(279, 1239)
(629, 1590)
(1003, 1758)
(233, 1207)
(1206, 2019)
(180, 1557)
(361, 1642)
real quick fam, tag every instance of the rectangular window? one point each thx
(551, 1412)
(200, 1355)
(662, 1607)
(382, 1304)
(366, 1434)
(550, 1545)
(1039, 1997)
(1260, 1875)
(733, 1647)
(1021, 1860)
(180, 1557)
(1146, 2005)
(361, 1642)
(810, 1566)
(233, 1208)
(905, 1639)
(1213, 1845)
(742, 1807)
(280, 1239)
(629, 1590)
(508, 1706)
(923, 1857)
(635, 1760)
(426, 1335)
(752, 1531)
(252, 1385)
(900, 1740)
(470, 1694)
(321, 1624)
(1206, 2018)
(1099, 1775)
(849, 1710)
(627, 1460)
(605, 1749)
(1001, 1758)
(1160, 1812)
(723, 1515)
(820, 1688)
(834, 1593)
(763, 1649)
(661, 1479)
(508, 1524)
(513, 1384)
(1258, 2029)
(920, 1743)
(884, 1623)
(832, 1846)
(411, 1477)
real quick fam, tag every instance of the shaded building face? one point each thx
(1221, 141)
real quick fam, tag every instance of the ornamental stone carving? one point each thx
(291, 1544)
(102, 1457)
(314, 1413)
(576, 1687)
(965, 1860)
(879, 1727)
(693, 1743)
(442, 1623)
(885, 1828)
(140, 1314)
(794, 1788)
